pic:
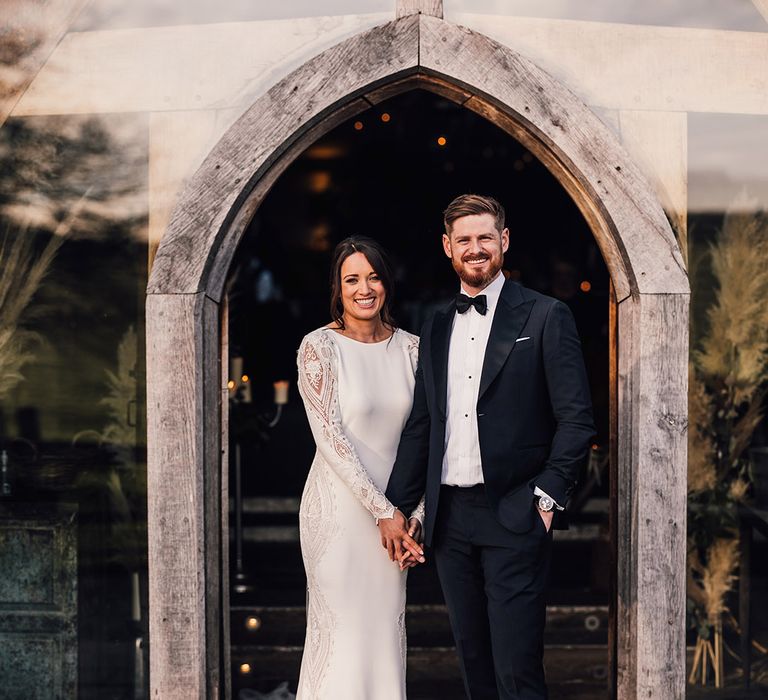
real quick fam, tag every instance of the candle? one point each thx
(281, 392)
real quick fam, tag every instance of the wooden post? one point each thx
(613, 484)
(184, 496)
(653, 409)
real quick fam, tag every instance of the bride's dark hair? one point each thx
(379, 261)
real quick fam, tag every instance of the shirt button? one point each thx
(466, 415)
(470, 376)
(471, 338)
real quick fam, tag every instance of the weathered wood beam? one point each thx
(652, 496)
(217, 66)
(421, 7)
(184, 505)
(30, 32)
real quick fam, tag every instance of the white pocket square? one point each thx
(527, 337)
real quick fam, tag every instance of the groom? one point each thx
(500, 425)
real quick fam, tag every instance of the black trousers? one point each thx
(494, 585)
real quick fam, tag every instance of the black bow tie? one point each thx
(463, 302)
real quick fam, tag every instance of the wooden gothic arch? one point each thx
(186, 390)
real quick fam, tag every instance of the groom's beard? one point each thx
(478, 277)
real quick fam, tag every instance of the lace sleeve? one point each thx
(318, 389)
(418, 511)
(413, 352)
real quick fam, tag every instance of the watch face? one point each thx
(546, 503)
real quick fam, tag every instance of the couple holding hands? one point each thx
(467, 440)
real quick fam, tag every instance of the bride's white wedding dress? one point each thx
(357, 397)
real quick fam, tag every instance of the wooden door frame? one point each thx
(187, 584)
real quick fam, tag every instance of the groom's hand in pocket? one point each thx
(396, 540)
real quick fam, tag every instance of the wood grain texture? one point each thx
(261, 136)
(622, 209)
(226, 633)
(613, 482)
(419, 81)
(640, 67)
(652, 494)
(424, 7)
(182, 463)
(658, 142)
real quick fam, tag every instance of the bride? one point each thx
(356, 377)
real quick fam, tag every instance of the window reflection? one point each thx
(72, 427)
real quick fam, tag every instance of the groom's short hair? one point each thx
(473, 204)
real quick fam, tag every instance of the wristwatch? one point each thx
(545, 504)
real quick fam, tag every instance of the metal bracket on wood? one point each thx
(419, 7)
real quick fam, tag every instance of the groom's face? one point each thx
(476, 249)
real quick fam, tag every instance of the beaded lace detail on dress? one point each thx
(318, 526)
(318, 387)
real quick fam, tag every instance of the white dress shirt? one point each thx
(462, 465)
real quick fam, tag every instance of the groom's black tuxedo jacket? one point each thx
(534, 413)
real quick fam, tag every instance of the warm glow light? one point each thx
(253, 623)
(585, 286)
(441, 140)
(245, 668)
(595, 446)
(231, 384)
(358, 126)
(385, 117)
(319, 181)
(281, 391)
(325, 151)
(244, 379)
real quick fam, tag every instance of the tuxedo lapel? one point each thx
(511, 314)
(441, 335)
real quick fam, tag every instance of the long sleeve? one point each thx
(571, 406)
(408, 480)
(318, 387)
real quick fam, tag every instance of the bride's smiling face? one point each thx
(362, 291)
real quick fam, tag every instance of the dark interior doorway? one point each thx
(389, 173)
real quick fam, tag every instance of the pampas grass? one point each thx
(735, 348)
(728, 378)
(702, 475)
(22, 274)
(719, 577)
(121, 391)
